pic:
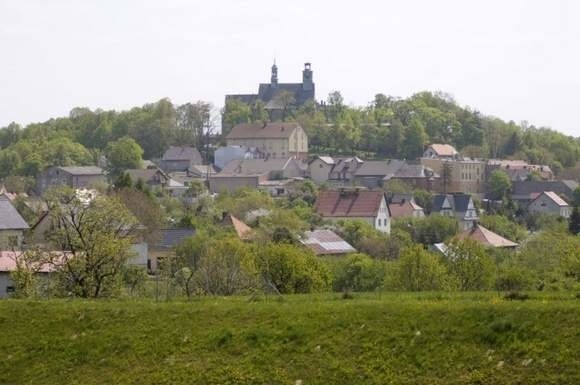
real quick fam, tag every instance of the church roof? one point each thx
(262, 131)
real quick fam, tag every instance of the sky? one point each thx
(517, 60)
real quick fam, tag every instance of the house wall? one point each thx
(319, 171)
(369, 181)
(466, 176)
(544, 205)
(10, 239)
(175, 165)
(57, 177)
(232, 183)
(141, 255)
(5, 283)
(224, 155)
(383, 219)
(294, 145)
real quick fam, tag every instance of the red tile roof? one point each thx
(8, 261)
(444, 149)
(332, 203)
(244, 231)
(403, 209)
(554, 197)
(486, 237)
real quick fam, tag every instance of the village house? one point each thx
(440, 151)
(152, 177)
(519, 170)
(548, 202)
(180, 158)
(371, 174)
(462, 175)
(253, 172)
(368, 206)
(77, 177)
(486, 237)
(225, 154)
(324, 169)
(404, 206)
(273, 94)
(326, 242)
(416, 176)
(523, 192)
(274, 140)
(12, 226)
(8, 265)
(164, 248)
(460, 206)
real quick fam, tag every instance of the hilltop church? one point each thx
(278, 97)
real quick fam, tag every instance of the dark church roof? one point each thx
(267, 92)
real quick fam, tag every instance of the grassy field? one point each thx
(316, 339)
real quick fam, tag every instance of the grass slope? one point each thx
(319, 339)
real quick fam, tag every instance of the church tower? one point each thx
(307, 83)
(274, 78)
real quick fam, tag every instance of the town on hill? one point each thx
(102, 203)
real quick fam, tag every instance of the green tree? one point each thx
(574, 225)
(97, 236)
(469, 265)
(499, 184)
(417, 270)
(123, 154)
(285, 268)
(358, 272)
(415, 139)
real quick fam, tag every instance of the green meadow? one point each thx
(373, 338)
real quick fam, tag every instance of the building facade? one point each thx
(274, 140)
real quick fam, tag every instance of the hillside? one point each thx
(318, 339)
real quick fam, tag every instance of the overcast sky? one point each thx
(518, 60)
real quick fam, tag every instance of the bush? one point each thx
(285, 268)
(469, 265)
(358, 272)
(417, 270)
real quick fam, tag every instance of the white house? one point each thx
(548, 202)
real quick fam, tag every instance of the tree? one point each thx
(469, 265)
(432, 229)
(415, 139)
(417, 270)
(574, 225)
(285, 268)
(504, 227)
(499, 184)
(358, 272)
(97, 237)
(123, 154)
(285, 101)
(134, 277)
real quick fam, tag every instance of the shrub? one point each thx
(417, 270)
(358, 272)
(286, 268)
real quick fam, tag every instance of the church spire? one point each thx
(274, 78)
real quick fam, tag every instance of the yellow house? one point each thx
(274, 140)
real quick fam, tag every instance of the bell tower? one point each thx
(274, 77)
(307, 83)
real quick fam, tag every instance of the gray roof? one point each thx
(255, 166)
(10, 219)
(414, 171)
(459, 202)
(172, 237)
(525, 188)
(82, 170)
(380, 167)
(182, 153)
